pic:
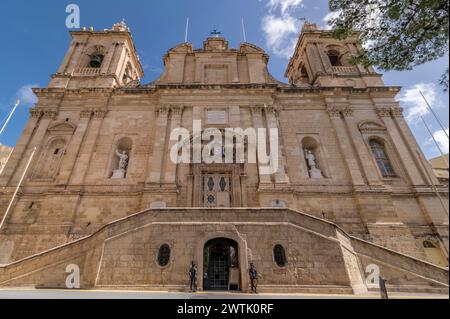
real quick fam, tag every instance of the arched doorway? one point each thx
(221, 265)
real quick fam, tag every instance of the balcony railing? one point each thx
(87, 71)
(345, 69)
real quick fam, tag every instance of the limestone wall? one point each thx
(123, 254)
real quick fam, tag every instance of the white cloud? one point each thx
(26, 95)
(414, 104)
(280, 27)
(281, 34)
(326, 19)
(442, 139)
(284, 5)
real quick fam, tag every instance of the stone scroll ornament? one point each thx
(121, 171)
(312, 165)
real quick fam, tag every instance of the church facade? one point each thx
(351, 188)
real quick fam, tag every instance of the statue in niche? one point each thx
(121, 171)
(314, 172)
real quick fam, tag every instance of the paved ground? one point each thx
(108, 294)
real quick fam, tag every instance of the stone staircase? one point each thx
(48, 269)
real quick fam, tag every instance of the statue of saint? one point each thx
(314, 172)
(123, 159)
(311, 159)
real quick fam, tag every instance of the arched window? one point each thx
(382, 159)
(279, 255)
(96, 61)
(164, 255)
(334, 58)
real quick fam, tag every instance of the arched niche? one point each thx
(121, 146)
(309, 143)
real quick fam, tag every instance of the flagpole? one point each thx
(17, 188)
(187, 30)
(434, 114)
(243, 31)
(432, 136)
(9, 117)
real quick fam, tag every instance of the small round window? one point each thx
(279, 255)
(164, 255)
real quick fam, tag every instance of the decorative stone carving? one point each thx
(383, 111)
(177, 109)
(333, 111)
(120, 27)
(257, 109)
(314, 172)
(100, 113)
(85, 114)
(163, 110)
(133, 84)
(50, 113)
(36, 113)
(120, 172)
(371, 126)
(397, 111)
(347, 111)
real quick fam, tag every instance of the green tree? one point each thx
(397, 34)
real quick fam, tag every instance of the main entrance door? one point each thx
(220, 265)
(216, 190)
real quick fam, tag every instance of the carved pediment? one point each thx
(250, 48)
(182, 48)
(371, 126)
(62, 127)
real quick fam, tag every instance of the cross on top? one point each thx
(216, 33)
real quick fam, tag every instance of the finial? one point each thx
(121, 26)
(216, 33)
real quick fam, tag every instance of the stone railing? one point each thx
(86, 71)
(345, 69)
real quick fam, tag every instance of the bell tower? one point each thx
(99, 59)
(321, 60)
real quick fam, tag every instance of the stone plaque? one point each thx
(216, 117)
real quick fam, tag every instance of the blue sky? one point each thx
(35, 39)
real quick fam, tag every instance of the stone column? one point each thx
(272, 122)
(314, 60)
(108, 58)
(113, 67)
(38, 139)
(345, 146)
(75, 61)
(73, 149)
(175, 122)
(365, 158)
(405, 132)
(158, 145)
(410, 165)
(18, 152)
(68, 58)
(324, 58)
(258, 123)
(85, 155)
